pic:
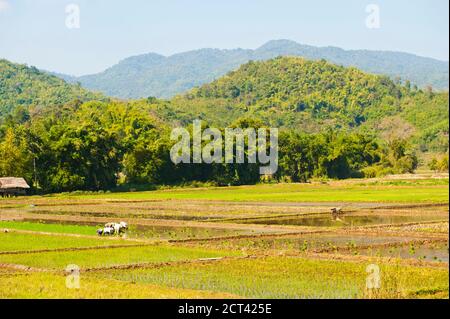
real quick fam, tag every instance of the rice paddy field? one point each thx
(262, 241)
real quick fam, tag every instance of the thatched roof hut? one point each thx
(13, 185)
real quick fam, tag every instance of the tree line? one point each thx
(100, 145)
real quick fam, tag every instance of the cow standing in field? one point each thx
(120, 228)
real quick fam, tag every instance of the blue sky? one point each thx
(34, 31)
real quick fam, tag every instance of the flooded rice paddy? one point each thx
(309, 242)
(323, 220)
(434, 252)
(139, 231)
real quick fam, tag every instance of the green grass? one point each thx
(379, 190)
(111, 257)
(50, 228)
(350, 192)
(23, 242)
(45, 286)
(271, 277)
(406, 182)
(285, 277)
(155, 232)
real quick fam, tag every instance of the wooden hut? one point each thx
(13, 186)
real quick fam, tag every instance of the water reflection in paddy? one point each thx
(324, 220)
(157, 232)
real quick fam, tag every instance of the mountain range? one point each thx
(164, 77)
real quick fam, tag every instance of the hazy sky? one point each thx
(35, 31)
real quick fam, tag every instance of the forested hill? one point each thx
(335, 122)
(21, 85)
(313, 95)
(160, 76)
(285, 92)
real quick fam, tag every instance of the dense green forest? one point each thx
(95, 145)
(23, 86)
(309, 96)
(334, 122)
(163, 77)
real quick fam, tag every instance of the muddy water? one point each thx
(312, 242)
(437, 252)
(158, 232)
(345, 221)
(169, 232)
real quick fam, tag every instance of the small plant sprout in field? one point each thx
(352, 247)
(73, 277)
(412, 250)
(304, 247)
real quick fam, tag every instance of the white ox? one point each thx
(113, 228)
(118, 227)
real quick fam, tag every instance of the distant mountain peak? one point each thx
(160, 76)
(143, 58)
(278, 43)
